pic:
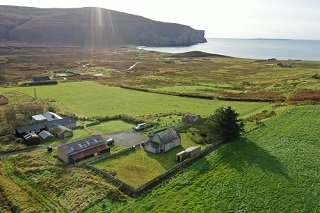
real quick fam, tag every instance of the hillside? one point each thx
(90, 27)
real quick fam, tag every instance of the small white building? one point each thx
(47, 116)
(163, 140)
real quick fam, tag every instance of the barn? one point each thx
(46, 136)
(163, 140)
(82, 149)
(67, 122)
(35, 128)
(3, 100)
(61, 132)
(47, 116)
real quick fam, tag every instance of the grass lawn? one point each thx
(139, 166)
(111, 127)
(93, 99)
(273, 169)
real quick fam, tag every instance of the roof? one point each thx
(167, 135)
(192, 148)
(62, 122)
(39, 118)
(30, 128)
(91, 151)
(50, 116)
(45, 134)
(81, 145)
(41, 78)
(60, 129)
(30, 136)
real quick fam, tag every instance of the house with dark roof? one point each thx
(78, 150)
(34, 128)
(3, 100)
(67, 122)
(40, 79)
(163, 140)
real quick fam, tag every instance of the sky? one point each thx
(286, 19)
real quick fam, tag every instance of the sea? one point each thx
(283, 49)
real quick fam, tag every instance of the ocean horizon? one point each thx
(257, 48)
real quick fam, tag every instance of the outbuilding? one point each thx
(31, 139)
(62, 132)
(68, 122)
(82, 149)
(190, 152)
(163, 140)
(34, 128)
(47, 116)
(46, 136)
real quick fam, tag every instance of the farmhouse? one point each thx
(31, 139)
(191, 152)
(163, 140)
(67, 122)
(45, 136)
(61, 132)
(78, 150)
(47, 116)
(35, 128)
(3, 100)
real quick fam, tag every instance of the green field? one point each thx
(272, 169)
(93, 99)
(139, 166)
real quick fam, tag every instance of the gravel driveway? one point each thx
(127, 138)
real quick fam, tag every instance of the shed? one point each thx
(163, 140)
(34, 128)
(3, 100)
(62, 132)
(46, 136)
(78, 150)
(190, 152)
(31, 139)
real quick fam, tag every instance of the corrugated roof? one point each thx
(30, 128)
(62, 122)
(192, 148)
(77, 146)
(89, 152)
(39, 118)
(50, 116)
(41, 78)
(45, 134)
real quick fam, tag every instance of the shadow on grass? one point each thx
(243, 153)
(167, 159)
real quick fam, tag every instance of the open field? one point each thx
(139, 166)
(209, 75)
(274, 168)
(93, 99)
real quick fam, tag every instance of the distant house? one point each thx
(69, 122)
(163, 140)
(47, 116)
(34, 128)
(78, 150)
(61, 132)
(46, 136)
(191, 152)
(191, 119)
(3, 100)
(41, 80)
(31, 139)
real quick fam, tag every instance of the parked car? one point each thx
(141, 126)
(110, 142)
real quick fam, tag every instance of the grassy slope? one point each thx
(275, 168)
(90, 99)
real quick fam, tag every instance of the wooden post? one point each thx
(35, 93)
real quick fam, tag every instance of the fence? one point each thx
(130, 190)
